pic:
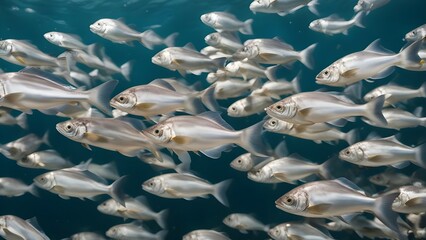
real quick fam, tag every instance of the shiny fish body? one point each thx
(9, 120)
(87, 236)
(301, 231)
(232, 88)
(115, 31)
(334, 25)
(247, 161)
(247, 70)
(250, 105)
(226, 41)
(244, 222)
(47, 159)
(416, 34)
(369, 5)
(282, 7)
(12, 227)
(226, 22)
(395, 94)
(133, 231)
(12, 187)
(22, 147)
(398, 119)
(205, 235)
(65, 40)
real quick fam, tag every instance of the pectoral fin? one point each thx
(85, 145)
(266, 56)
(20, 56)
(350, 73)
(172, 192)
(13, 97)
(376, 158)
(180, 139)
(144, 106)
(318, 209)
(93, 137)
(305, 112)
(281, 177)
(58, 189)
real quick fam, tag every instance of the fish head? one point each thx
(4, 221)
(236, 109)
(45, 181)
(248, 51)
(278, 232)
(124, 101)
(259, 5)
(362, 5)
(11, 151)
(73, 129)
(316, 25)
(160, 133)
(213, 39)
(114, 232)
(286, 108)
(416, 34)
(260, 174)
(32, 160)
(100, 27)
(243, 162)
(275, 125)
(154, 185)
(6, 47)
(209, 19)
(231, 220)
(379, 179)
(352, 154)
(108, 207)
(296, 201)
(163, 58)
(232, 67)
(328, 76)
(53, 37)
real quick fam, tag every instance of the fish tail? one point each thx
(374, 110)
(45, 139)
(193, 105)
(111, 167)
(169, 41)
(358, 18)
(220, 191)
(144, 41)
(251, 140)
(383, 211)
(21, 120)
(271, 73)
(255, 83)
(422, 90)
(296, 83)
(183, 167)
(208, 99)
(246, 29)
(100, 95)
(312, 6)
(409, 57)
(325, 168)
(219, 62)
(116, 190)
(33, 190)
(421, 155)
(126, 69)
(161, 218)
(306, 56)
(352, 136)
(161, 235)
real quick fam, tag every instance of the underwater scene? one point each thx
(212, 119)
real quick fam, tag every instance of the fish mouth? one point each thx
(60, 129)
(93, 28)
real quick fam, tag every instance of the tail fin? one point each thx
(126, 69)
(421, 155)
(296, 83)
(33, 190)
(409, 57)
(219, 62)
(246, 29)
(208, 99)
(193, 105)
(116, 190)
(306, 56)
(45, 139)
(374, 110)
(220, 191)
(251, 140)
(144, 39)
(270, 72)
(161, 235)
(383, 211)
(324, 170)
(100, 95)
(169, 41)
(422, 90)
(21, 121)
(255, 83)
(312, 6)
(111, 168)
(161, 218)
(357, 19)
(352, 136)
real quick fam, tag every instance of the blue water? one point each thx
(30, 19)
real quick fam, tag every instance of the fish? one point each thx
(24, 91)
(186, 186)
(416, 34)
(394, 93)
(298, 231)
(275, 89)
(369, 5)
(220, 75)
(66, 40)
(87, 236)
(11, 187)
(374, 62)
(334, 25)
(7, 119)
(247, 162)
(108, 133)
(226, 22)
(320, 107)
(384, 152)
(213, 52)
(342, 198)
(23, 146)
(46, 159)
(283, 7)
(411, 199)
(233, 87)
(134, 230)
(252, 104)
(317, 132)
(274, 51)
(117, 31)
(205, 234)
(13, 227)
(207, 133)
(136, 208)
(390, 179)
(186, 59)
(166, 163)
(398, 119)
(244, 223)
(80, 183)
(249, 70)
(226, 41)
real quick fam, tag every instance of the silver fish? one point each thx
(214, 53)
(275, 89)
(228, 42)
(23, 146)
(411, 199)
(186, 186)
(244, 222)
(47, 159)
(220, 75)
(283, 7)
(247, 161)
(369, 5)
(166, 162)
(384, 152)
(394, 94)
(250, 105)
(66, 40)
(11, 187)
(232, 88)
(334, 25)
(374, 62)
(249, 70)
(80, 183)
(9, 120)
(398, 119)
(136, 208)
(133, 231)
(204, 234)
(342, 197)
(301, 231)
(320, 107)
(226, 22)
(24, 91)
(390, 179)
(207, 133)
(87, 236)
(416, 34)
(13, 227)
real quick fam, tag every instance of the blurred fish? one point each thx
(244, 223)
(250, 105)
(14, 228)
(133, 231)
(66, 40)
(384, 152)
(320, 107)
(334, 25)
(231, 88)
(87, 236)
(11, 187)
(300, 231)
(186, 186)
(411, 199)
(275, 89)
(247, 161)
(394, 94)
(220, 75)
(204, 234)
(23, 146)
(249, 70)
(369, 5)
(107, 170)
(226, 22)
(136, 208)
(342, 198)
(416, 34)
(374, 62)
(399, 119)
(8, 119)
(166, 162)
(227, 41)
(390, 179)
(150, 39)
(213, 52)
(283, 7)
(47, 159)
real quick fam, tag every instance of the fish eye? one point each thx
(347, 152)
(289, 200)
(233, 109)
(273, 122)
(151, 184)
(239, 161)
(279, 107)
(326, 72)
(98, 24)
(51, 35)
(414, 32)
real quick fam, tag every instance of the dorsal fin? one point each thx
(162, 83)
(348, 184)
(334, 17)
(392, 139)
(215, 117)
(377, 48)
(190, 46)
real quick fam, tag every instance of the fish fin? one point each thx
(100, 95)
(215, 117)
(181, 139)
(175, 194)
(384, 73)
(161, 218)
(377, 48)
(20, 56)
(183, 155)
(33, 190)
(209, 100)
(374, 110)
(420, 152)
(190, 46)
(415, 202)
(401, 165)
(319, 209)
(325, 168)
(246, 29)
(13, 97)
(305, 111)
(350, 73)
(93, 137)
(58, 189)
(85, 145)
(281, 177)
(281, 150)
(182, 72)
(169, 41)
(312, 6)
(144, 106)
(409, 57)
(271, 72)
(144, 41)
(383, 211)
(193, 105)
(220, 191)
(266, 56)
(251, 140)
(306, 56)
(216, 152)
(348, 184)
(358, 18)
(126, 69)
(12, 235)
(116, 190)
(352, 136)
